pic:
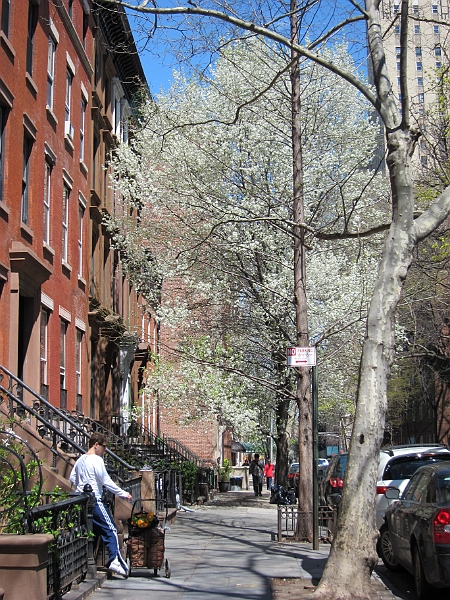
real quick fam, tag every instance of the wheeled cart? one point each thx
(146, 541)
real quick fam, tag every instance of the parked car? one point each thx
(395, 469)
(291, 474)
(330, 489)
(322, 465)
(398, 464)
(416, 533)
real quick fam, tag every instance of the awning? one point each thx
(237, 447)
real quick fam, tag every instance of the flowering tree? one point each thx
(217, 213)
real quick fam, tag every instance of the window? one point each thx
(65, 223)
(78, 365)
(437, 51)
(68, 130)
(437, 64)
(396, 8)
(398, 51)
(421, 98)
(47, 196)
(399, 81)
(81, 209)
(62, 363)
(418, 51)
(416, 9)
(398, 66)
(420, 81)
(436, 29)
(82, 127)
(399, 97)
(32, 22)
(397, 29)
(3, 116)
(424, 161)
(27, 147)
(70, 9)
(434, 9)
(85, 28)
(416, 29)
(44, 349)
(50, 71)
(6, 13)
(418, 66)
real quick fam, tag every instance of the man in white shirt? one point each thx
(90, 468)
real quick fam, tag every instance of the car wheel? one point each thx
(385, 550)
(421, 585)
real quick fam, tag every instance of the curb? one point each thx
(85, 588)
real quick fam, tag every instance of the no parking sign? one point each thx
(301, 357)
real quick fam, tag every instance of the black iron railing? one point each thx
(54, 425)
(68, 559)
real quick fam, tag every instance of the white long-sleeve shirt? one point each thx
(90, 468)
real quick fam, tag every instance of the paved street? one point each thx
(223, 550)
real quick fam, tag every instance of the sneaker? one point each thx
(116, 567)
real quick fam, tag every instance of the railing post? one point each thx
(92, 566)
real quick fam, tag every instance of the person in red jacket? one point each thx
(269, 469)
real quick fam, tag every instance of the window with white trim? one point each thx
(68, 129)
(44, 347)
(4, 111)
(33, 10)
(81, 210)
(78, 367)
(50, 71)
(65, 223)
(6, 15)
(62, 353)
(47, 199)
(27, 147)
(82, 127)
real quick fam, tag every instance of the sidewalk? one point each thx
(224, 549)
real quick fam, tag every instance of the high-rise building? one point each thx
(427, 54)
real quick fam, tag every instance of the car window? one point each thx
(409, 493)
(405, 467)
(443, 488)
(423, 488)
(431, 490)
(340, 466)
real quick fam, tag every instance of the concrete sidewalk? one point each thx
(222, 550)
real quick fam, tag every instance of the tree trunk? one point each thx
(282, 442)
(303, 388)
(353, 555)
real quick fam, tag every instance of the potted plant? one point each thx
(224, 473)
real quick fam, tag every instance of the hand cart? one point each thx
(145, 543)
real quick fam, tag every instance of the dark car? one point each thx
(291, 474)
(416, 534)
(333, 481)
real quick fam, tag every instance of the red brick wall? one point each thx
(64, 288)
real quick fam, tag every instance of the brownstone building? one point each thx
(72, 327)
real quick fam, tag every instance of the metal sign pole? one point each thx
(315, 418)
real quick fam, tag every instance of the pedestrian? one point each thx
(269, 469)
(257, 470)
(90, 468)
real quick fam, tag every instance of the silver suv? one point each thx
(398, 464)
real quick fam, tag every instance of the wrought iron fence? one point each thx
(287, 522)
(68, 558)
